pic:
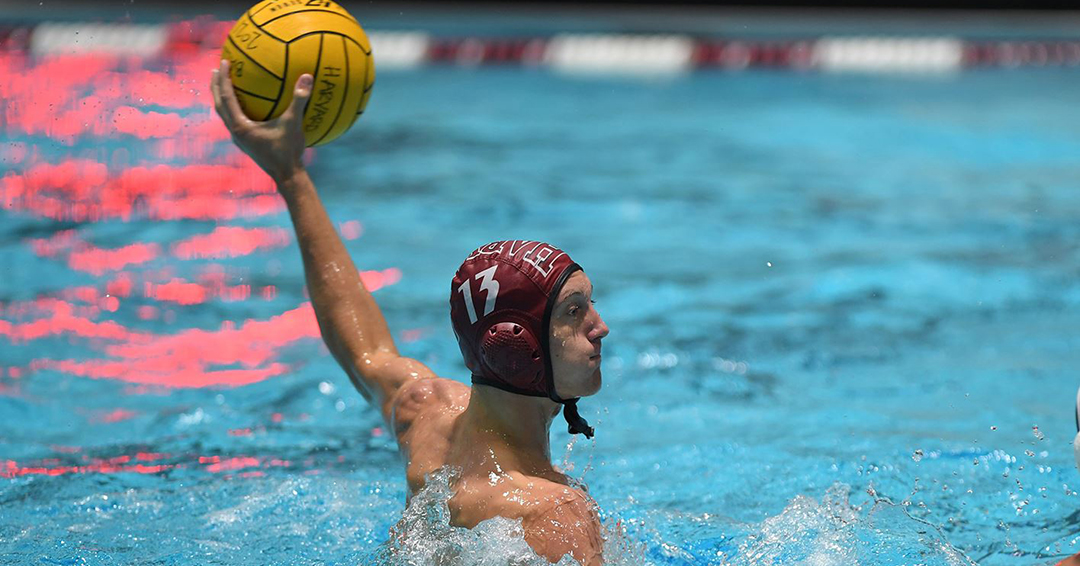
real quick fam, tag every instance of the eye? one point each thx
(572, 311)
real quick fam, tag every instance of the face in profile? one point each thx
(576, 332)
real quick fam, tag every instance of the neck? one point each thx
(515, 428)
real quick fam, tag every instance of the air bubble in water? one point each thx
(917, 455)
(1038, 433)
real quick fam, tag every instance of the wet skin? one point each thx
(498, 440)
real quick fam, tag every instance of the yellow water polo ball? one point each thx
(276, 41)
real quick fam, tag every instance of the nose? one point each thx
(599, 329)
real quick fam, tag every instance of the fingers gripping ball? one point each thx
(276, 41)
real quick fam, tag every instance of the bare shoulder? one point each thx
(423, 396)
(565, 521)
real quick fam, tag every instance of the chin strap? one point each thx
(577, 424)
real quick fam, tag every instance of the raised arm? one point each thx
(349, 319)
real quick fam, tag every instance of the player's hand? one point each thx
(277, 145)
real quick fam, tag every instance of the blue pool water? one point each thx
(842, 312)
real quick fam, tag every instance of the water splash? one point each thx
(834, 532)
(424, 537)
(831, 531)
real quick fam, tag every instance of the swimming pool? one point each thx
(841, 310)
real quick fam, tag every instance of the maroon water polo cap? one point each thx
(500, 306)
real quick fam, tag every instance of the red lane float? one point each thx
(574, 52)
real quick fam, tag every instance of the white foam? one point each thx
(834, 532)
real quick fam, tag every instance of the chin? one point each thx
(582, 385)
(593, 384)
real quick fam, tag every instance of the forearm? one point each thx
(350, 321)
(351, 324)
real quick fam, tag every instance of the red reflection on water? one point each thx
(198, 358)
(144, 125)
(99, 260)
(123, 116)
(158, 372)
(189, 358)
(115, 416)
(70, 96)
(196, 35)
(236, 463)
(134, 464)
(177, 291)
(13, 152)
(110, 304)
(351, 230)
(177, 91)
(120, 286)
(62, 319)
(375, 280)
(212, 286)
(414, 334)
(85, 190)
(231, 241)
(44, 99)
(253, 343)
(84, 256)
(12, 469)
(60, 242)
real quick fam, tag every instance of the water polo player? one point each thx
(523, 316)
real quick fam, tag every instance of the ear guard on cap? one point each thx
(513, 353)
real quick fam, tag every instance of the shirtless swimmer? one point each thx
(523, 316)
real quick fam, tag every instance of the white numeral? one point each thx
(465, 290)
(488, 285)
